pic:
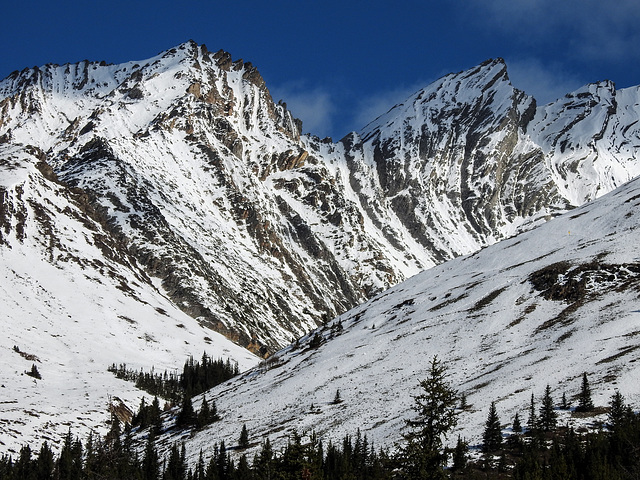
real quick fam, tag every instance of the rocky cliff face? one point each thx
(261, 233)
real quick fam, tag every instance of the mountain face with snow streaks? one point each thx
(213, 190)
(74, 301)
(179, 181)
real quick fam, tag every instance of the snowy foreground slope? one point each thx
(72, 303)
(537, 309)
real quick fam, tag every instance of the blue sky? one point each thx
(339, 64)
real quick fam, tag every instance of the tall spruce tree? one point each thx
(492, 435)
(532, 421)
(243, 442)
(617, 411)
(548, 417)
(585, 404)
(460, 455)
(187, 415)
(422, 457)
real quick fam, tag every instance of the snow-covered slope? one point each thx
(145, 204)
(73, 302)
(263, 234)
(537, 309)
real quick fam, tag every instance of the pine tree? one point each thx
(492, 436)
(584, 399)
(548, 416)
(187, 416)
(243, 442)
(150, 461)
(204, 415)
(176, 468)
(532, 421)
(617, 411)
(24, 468)
(45, 464)
(460, 455)
(422, 456)
(463, 401)
(264, 462)
(154, 416)
(517, 426)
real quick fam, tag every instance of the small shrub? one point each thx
(34, 372)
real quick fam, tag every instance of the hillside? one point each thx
(73, 302)
(541, 308)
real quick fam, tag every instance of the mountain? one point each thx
(263, 234)
(539, 309)
(148, 205)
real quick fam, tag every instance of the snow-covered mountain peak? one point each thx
(180, 172)
(451, 97)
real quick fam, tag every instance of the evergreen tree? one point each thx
(460, 455)
(150, 461)
(565, 404)
(243, 471)
(34, 372)
(154, 416)
(617, 411)
(24, 468)
(492, 435)
(517, 426)
(584, 399)
(140, 417)
(176, 468)
(243, 442)
(45, 464)
(532, 421)
(69, 464)
(422, 456)
(264, 463)
(223, 462)
(200, 468)
(548, 416)
(187, 416)
(204, 415)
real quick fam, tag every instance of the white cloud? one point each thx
(313, 105)
(544, 82)
(372, 106)
(591, 29)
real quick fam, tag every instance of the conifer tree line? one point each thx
(196, 377)
(539, 450)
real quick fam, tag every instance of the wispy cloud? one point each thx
(592, 29)
(544, 82)
(313, 105)
(372, 106)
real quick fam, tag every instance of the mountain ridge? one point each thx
(227, 218)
